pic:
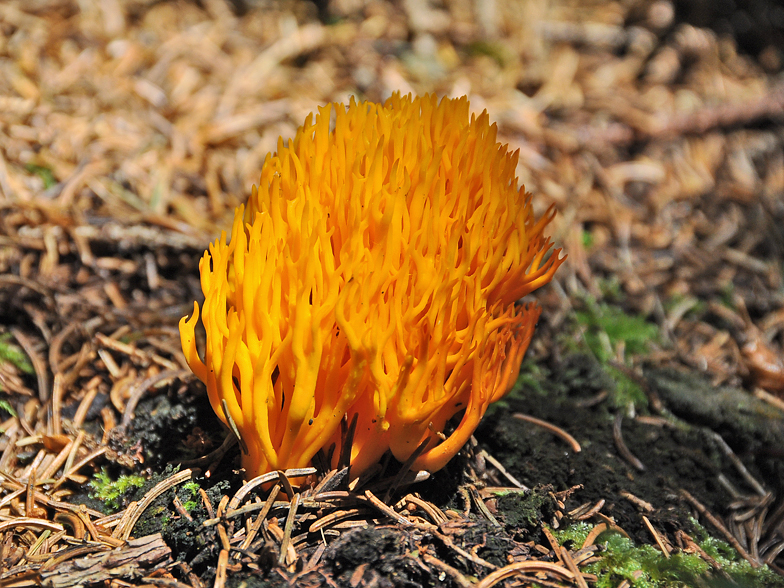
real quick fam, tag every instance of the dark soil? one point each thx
(680, 455)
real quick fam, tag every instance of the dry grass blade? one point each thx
(283, 477)
(480, 505)
(248, 487)
(257, 524)
(586, 511)
(89, 458)
(29, 522)
(287, 552)
(656, 537)
(405, 468)
(220, 576)
(552, 428)
(742, 470)
(500, 467)
(334, 517)
(436, 514)
(556, 547)
(769, 398)
(593, 534)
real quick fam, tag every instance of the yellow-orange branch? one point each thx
(374, 271)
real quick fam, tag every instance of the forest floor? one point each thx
(131, 129)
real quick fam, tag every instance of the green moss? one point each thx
(696, 307)
(587, 240)
(6, 406)
(610, 324)
(627, 391)
(42, 172)
(190, 505)
(112, 492)
(523, 513)
(611, 289)
(12, 353)
(731, 562)
(605, 326)
(495, 51)
(191, 487)
(576, 533)
(644, 566)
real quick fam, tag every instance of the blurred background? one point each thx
(654, 127)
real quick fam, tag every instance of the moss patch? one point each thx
(13, 354)
(523, 513)
(644, 566)
(677, 456)
(114, 493)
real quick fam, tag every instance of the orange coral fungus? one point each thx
(374, 272)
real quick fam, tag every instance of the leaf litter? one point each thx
(131, 130)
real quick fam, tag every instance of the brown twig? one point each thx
(386, 510)
(639, 502)
(220, 574)
(621, 446)
(552, 428)
(572, 567)
(459, 578)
